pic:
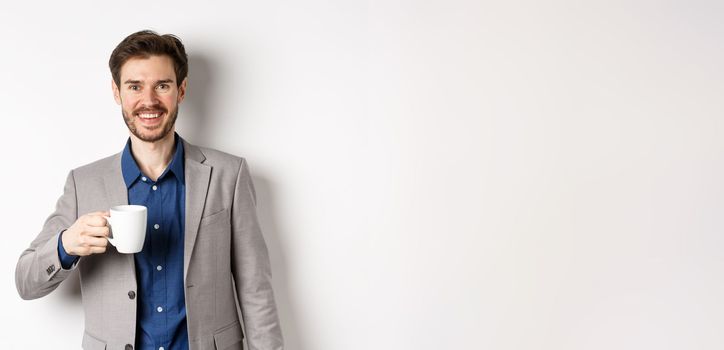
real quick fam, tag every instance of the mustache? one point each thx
(151, 109)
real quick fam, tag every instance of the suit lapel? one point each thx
(117, 194)
(116, 190)
(196, 176)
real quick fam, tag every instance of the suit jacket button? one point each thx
(132, 295)
(129, 347)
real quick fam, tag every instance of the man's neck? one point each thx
(153, 157)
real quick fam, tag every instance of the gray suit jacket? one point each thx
(225, 257)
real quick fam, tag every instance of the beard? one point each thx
(153, 136)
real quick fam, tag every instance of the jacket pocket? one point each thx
(209, 219)
(92, 343)
(229, 337)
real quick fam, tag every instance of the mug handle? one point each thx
(110, 240)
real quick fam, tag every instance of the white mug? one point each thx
(128, 228)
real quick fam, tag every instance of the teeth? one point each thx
(149, 115)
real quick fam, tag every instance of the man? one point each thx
(203, 251)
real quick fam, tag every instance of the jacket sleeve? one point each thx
(39, 270)
(252, 269)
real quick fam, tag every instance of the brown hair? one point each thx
(148, 43)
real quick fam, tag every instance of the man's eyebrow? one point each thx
(162, 81)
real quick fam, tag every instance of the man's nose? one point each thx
(149, 97)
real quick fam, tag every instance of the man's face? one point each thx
(149, 96)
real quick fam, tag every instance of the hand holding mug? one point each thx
(88, 235)
(124, 226)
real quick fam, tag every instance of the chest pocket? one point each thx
(214, 217)
(215, 230)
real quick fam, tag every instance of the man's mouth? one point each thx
(149, 115)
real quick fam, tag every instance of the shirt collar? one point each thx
(131, 172)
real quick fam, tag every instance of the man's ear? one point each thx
(116, 92)
(182, 90)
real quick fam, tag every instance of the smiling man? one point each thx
(204, 252)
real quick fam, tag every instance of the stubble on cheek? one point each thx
(129, 122)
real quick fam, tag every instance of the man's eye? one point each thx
(134, 87)
(163, 86)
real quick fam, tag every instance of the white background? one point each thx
(431, 174)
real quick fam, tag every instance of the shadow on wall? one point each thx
(198, 124)
(195, 114)
(272, 232)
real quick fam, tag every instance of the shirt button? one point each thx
(143, 178)
(156, 226)
(159, 268)
(159, 309)
(131, 295)
(129, 347)
(154, 187)
(160, 348)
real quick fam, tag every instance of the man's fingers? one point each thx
(97, 250)
(97, 231)
(90, 241)
(96, 220)
(101, 213)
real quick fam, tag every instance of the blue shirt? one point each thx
(161, 310)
